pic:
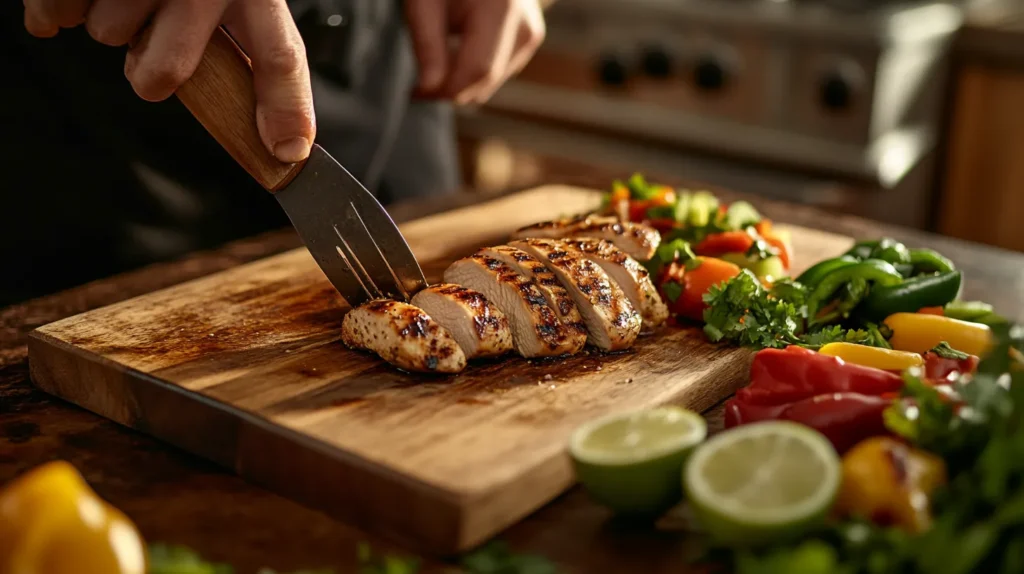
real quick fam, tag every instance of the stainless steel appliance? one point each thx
(832, 103)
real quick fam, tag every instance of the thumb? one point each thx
(428, 27)
(284, 99)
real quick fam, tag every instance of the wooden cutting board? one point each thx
(245, 368)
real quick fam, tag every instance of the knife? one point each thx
(346, 230)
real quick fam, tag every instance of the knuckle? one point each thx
(157, 81)
(285, 60)
(107, 33)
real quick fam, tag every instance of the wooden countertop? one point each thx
(177, 498)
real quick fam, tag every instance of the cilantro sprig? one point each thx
(742, 311)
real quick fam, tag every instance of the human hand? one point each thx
(498, 38)
(167, 39)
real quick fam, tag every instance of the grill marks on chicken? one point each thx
(536, 329)
(532, 268)
(479, 327)
(612, 321)
(402, 335)
(555, 287)
(634, 280)
(637, 240)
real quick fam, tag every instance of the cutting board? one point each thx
(245, 368)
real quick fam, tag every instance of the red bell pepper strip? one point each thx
(724, 242)
(780, 376)
(841, 400)
(938, 368)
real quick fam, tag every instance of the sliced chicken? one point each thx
(403, 335)
(532, 268)
(480, 328)
(536, 329)
(638, 240)
(634, 280)
(612, 321)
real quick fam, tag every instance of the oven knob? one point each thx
(611, 71)
(711, 72)
(656, 63)
(838, 87)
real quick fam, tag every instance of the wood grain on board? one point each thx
(245, 368)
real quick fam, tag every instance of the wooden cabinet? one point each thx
(983, 177)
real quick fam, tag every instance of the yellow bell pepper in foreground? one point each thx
(921, 332)
(52, 522)
(889, 482)
(877, 357)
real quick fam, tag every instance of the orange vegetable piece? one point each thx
(694, 284)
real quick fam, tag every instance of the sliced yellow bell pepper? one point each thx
(889, 482)
(52, 522)
(921, 332)
(877, 357)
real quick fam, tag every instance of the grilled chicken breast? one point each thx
(402, 335)
(536, 329)
(532, 268)
(480, 328)
(638, 240)
(612, 321)
(634, 280)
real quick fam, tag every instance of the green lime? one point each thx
(763, 482)
(631, 462)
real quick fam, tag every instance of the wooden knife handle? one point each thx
(220, 94)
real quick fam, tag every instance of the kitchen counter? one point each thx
(177, 498)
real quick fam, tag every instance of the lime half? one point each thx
(763, 482)
(631, 462)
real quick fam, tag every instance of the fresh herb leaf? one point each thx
(672, 290)
(740, 310)
(743, 311)
(371, 563)
(946, 352)
(496, 558)
(174, 559)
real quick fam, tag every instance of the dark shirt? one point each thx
(98, 181)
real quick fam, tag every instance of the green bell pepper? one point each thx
(873, 271)
(910, 296)
(930, 261)
(974, 312)
(813, 275)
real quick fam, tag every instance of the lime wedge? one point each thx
(762, 483)
(631, 462)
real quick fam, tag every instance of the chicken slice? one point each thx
(611, 319)
(638, 240)
(480, 328)
(536, 329)
(634, 280)
(402, 335)
(532, 268)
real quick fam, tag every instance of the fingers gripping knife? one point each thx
(350, 235)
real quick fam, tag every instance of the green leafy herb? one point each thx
(496, 558)
(672, 290)
(946, 352)
(667, 252)
(371, 563)
(173, 559)
(741, 310)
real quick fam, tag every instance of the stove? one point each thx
(848, 94)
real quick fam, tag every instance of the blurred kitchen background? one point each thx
(905, 112)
